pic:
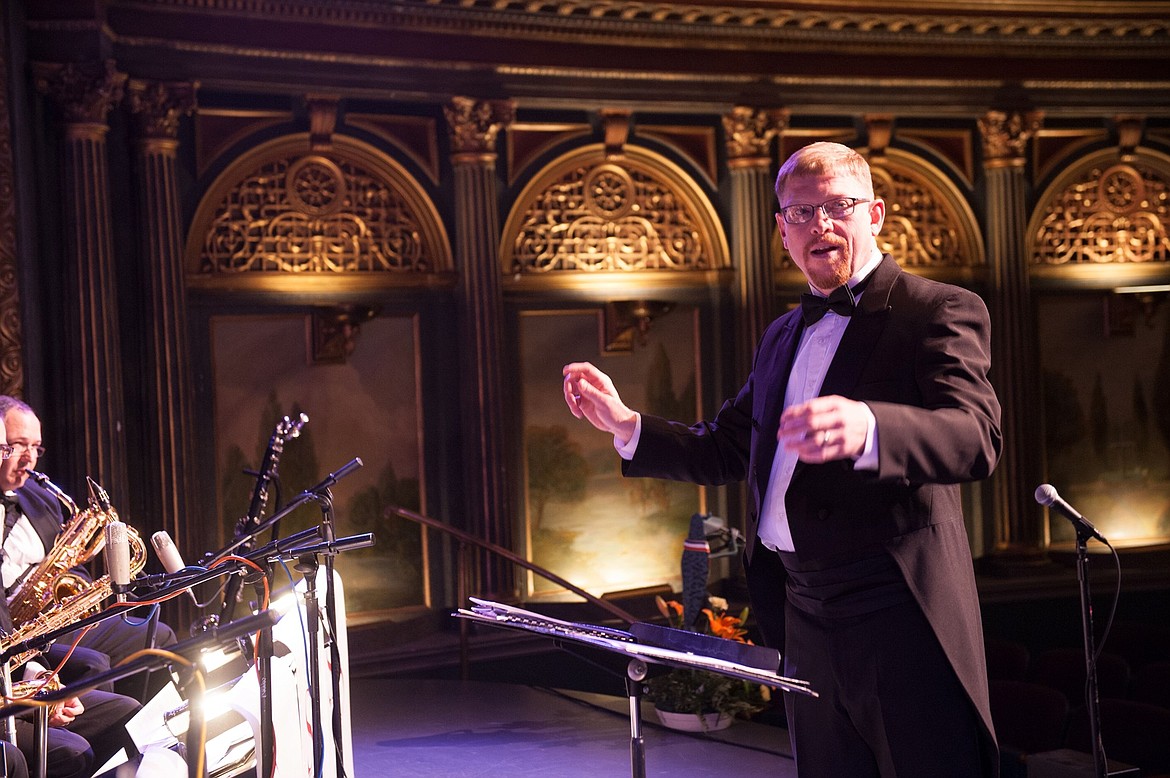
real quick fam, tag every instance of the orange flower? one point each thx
(725, 626)
(667, 607)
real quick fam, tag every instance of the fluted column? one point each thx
(94, 413)
(11, 331)
(169, 424)
(1021, 535)
(474, 126)
(748, 136)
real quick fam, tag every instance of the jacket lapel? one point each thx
(774, 373)
(861, 336)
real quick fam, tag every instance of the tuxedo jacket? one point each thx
(917, 352)
(43, 510)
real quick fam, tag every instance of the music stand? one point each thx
(626, 644)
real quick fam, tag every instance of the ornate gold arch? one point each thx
(1105, 210)
(929, 223)
(592, 215)
(282, 217)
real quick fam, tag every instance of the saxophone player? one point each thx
(39, 517)
(87, 730)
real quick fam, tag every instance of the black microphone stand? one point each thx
(312, 493)
(308, 565)
(1092, 701)
(328, 535)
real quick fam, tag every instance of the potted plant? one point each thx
(698, 700)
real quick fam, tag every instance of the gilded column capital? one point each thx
(474, 125)
(322, 110)
(879, 128)
(85, 91)
(1129, 135)
(749, 132)
(1006, 135)
(158, 106)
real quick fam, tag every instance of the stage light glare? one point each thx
(216, 658)
(284, 604)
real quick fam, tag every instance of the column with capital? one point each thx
(1020, 534)
(84, 93)
(748, 134)
(474, 126)
(12, 367)
(157, 109)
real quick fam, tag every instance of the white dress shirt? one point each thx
(818, 345)
(20, 549)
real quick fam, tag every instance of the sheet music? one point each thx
(486, 610)
(618, 641)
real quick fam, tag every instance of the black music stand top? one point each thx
(649, 643)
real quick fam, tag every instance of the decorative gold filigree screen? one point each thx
(632, 212)
(929, 223)
(281, 210)
(1104, 210)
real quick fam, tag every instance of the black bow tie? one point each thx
(841, 302)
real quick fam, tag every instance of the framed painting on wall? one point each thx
(363, 403)
(1106, 381)
(582, 519)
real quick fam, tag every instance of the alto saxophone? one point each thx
(25, 690)
(52, 585)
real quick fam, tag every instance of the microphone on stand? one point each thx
(168, 554)
(1047, 495)
(117, 558)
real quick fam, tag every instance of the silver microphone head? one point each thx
(1046, 494)
(117, 554)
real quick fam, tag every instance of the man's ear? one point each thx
(877, 215)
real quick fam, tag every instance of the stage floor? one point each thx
(453, 728)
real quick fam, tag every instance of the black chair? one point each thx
(1006, 659)
(1139, 642)
(1028, 717)
(1063, 669)
(1132, 732)
(1151, 684)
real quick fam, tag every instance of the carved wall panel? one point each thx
(929, 223)
(589, 213)
(282, 211)
(1104, 211)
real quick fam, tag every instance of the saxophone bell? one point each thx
(44, 482)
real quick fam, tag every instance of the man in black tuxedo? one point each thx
(15, 765)
(864, 411)
(39, 517)
(87, 729)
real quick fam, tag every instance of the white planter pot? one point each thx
(693, 722)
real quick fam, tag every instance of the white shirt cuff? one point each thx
(869, 454)
(627, 448)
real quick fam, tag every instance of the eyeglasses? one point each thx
(16, 448)
(837, 208)
(5, 450)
